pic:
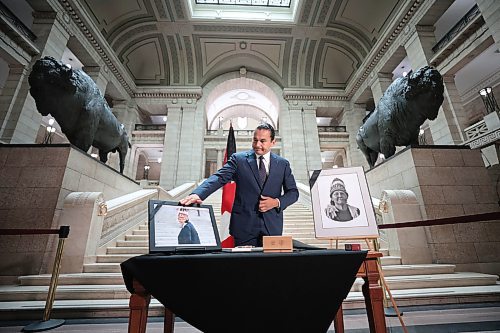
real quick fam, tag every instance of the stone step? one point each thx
(74, 279)
(119, 307)
(127, 250)
(390, 260)
(73, 292)
(144, 237)
(114, 258)
(420, 269)
(103, 267)
(460, 279)
(133, 243)
(140, 232)
(421, 275)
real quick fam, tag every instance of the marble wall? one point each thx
(448, 181)
(34, 180)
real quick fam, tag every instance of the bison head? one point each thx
(425, 89)
(51, 76)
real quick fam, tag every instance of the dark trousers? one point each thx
(254, 239)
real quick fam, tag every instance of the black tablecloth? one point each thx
(249, 292)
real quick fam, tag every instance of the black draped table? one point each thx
(243, 292)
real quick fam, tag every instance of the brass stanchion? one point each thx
(46, 323)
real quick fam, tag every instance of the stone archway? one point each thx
(242, 94)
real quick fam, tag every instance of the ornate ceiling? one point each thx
(159, 43)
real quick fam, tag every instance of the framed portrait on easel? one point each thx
(342, 205)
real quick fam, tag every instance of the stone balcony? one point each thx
(483, 133)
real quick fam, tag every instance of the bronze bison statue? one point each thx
(76, 103)
(396, 120)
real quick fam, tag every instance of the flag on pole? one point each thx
(228, 192)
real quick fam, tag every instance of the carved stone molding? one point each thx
(97, 46)
(383, 48)
(485, 140)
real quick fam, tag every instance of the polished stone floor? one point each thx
(418, 319)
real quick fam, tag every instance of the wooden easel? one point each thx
(372, 243)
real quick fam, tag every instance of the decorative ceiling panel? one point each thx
(110, 14)
(368, 18)
(159, 43)
(335, 66)
(215, 51)
(146, 62)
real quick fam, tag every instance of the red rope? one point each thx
(28, 231)
(444, 221)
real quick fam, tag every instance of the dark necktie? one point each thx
(262, 171)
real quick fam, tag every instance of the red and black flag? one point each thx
(228, 192)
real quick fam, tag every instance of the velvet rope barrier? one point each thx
(443, 221)
(46, 323)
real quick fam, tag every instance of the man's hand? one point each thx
(191, 199)
(267, 203)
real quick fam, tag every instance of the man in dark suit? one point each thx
(188, 233)
(265, 186)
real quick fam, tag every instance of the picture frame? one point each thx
(342, 205)
(175, 228)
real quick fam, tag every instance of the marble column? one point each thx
(126, 113)
(183, 146)
(490, 10)
(99, 75)
(24, 120)
(353, 119)
(419, 46)
(311, 139)
(300, 140)
(292, 140)
(9, 96)
(379, 84)
(220, 158)
(419, 50)
(453, 107)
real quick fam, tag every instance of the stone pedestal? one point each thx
(34, 181)
(447, 181)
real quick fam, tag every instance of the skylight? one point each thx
(265, 11)
(263, 3)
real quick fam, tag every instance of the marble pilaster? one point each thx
(220, 158)
(353, 119)
(183, 145)
(98, 74)
(292, 139)
(311, 139)
(23, 120)
(126, 114)
(453, 107)
(419, 50)
(379, 85)
(490, 10)
(10, 91)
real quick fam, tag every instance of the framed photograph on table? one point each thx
(342, 205)
(174, 228)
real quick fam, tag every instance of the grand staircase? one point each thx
(100, 291)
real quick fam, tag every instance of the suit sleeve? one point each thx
(223, 176)
(290, 192)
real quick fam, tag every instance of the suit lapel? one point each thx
(273, 168)
(252, 163)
